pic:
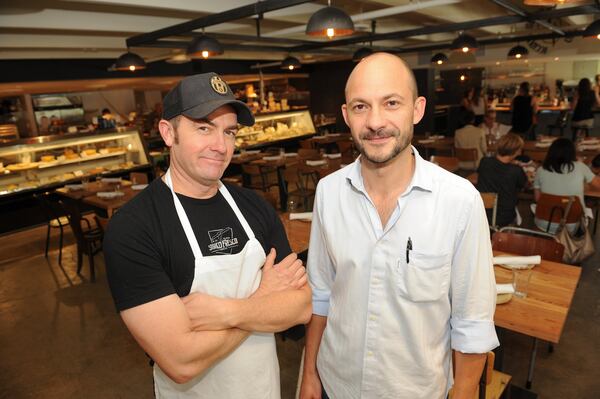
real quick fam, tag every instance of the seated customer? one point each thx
(500, 174)
(470, 136)
(562, 174)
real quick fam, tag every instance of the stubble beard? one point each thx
(400, 143)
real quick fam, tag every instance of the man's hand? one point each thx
(207, 312)
(289, 274)
(311, 386)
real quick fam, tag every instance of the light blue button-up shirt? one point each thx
(391, 323)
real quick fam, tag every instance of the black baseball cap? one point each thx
(199, 95)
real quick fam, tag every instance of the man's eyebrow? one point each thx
(204, 120)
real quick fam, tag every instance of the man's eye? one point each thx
(359, 107)
(203, 129)
(393, 103)
(231, 132)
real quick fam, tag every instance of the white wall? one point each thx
(120, 103)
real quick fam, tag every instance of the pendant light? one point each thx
(204, 46)
(130, 62)
(593, 30)
(518, 52)
(330, 21)
(464, 43)
(291, 63)
(361, 53)
(439, 59)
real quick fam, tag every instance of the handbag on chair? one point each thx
(578, 246)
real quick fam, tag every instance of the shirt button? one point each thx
(370, 353)
(373, 317)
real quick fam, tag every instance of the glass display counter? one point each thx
(275, 127)
(50, 161)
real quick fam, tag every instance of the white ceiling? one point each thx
(40, 29)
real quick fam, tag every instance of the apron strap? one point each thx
(236, 210)
(185, 222)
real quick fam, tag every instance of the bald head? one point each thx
(381, 67)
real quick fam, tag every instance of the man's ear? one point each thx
(166, 132)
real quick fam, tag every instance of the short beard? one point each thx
(402, 141)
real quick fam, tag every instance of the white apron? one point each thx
(251, 371)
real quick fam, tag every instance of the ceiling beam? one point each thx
(519, 11)
(496, 40)
(213, 19)
(453, 27)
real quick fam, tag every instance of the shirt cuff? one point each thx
(473, 336)
(320, 306)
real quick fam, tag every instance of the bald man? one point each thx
(400, 261)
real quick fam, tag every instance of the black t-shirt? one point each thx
(507, 180)
(583, 109)
(522, 114)
(148, 255)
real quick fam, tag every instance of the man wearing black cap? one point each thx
(184, 259)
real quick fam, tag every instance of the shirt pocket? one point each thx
(425, 278)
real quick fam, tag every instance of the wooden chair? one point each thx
(490, 202)
(138, 178)
(526, 242)
(89, 239)
(55, 219)
(492, 383)
(467, 156)
(312, 153)
(346, 148)
(552, 208)
(448, 163)
(306, 144)
(259, 177)
(299, 177)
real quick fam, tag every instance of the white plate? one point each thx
(139, 186)
(111, 180)
(74, 187)
(110, 194)
(291, 154)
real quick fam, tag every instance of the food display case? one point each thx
(275, 127)
(50, 161)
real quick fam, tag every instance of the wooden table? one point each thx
(445, 144)
(543, 313)
(297, 231)
(88, 195)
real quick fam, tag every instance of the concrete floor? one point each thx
(60, 336)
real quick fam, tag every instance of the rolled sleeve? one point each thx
(473, 336)
(473, 285)
(321, 272)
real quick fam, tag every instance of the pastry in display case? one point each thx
(274, 127)
(53, 160)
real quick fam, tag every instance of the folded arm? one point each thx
(163, 329)
(282, 300)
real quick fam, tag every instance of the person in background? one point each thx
(500, 174)
(596, 164)
(44, 125)
(400, 260)
(597, 88)
(470, 136)
(583, 101)
(467, 100)
(562, 174)
(107, 120)
(489, 124)
(524, 112)
(478, 105)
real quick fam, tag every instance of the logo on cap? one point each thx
(218, 85)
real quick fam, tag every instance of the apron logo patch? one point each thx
(222, 241)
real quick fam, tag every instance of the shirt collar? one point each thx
(422, 178)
